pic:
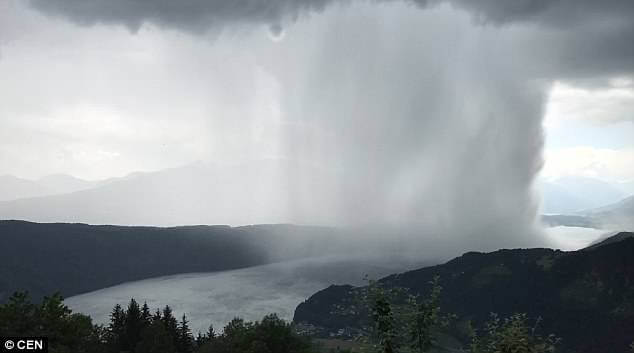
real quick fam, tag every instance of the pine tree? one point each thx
(146, 315)
(157, 316)
(133, 325)
(185, 339)
(116, 328)
(18, 315)
(170, 323)
(200, 340)
(155, 339)
(211, 334)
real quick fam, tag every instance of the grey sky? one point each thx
(406, 105)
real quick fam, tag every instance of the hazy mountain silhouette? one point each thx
(615, 216)
(12, 188)
(63, 183)
(571, 194)
(202, 193)
(194, 194)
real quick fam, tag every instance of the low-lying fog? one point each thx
(215, 298)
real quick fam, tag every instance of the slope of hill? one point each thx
(586, 297)
(610, 239)
(76, 258)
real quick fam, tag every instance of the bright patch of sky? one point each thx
(590, 131)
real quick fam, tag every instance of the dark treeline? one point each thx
(136, 329)
(396, 326)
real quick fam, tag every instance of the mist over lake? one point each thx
(217, 297)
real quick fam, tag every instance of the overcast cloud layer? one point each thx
(412, 111)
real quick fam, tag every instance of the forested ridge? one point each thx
(44, 258)
(585, 296)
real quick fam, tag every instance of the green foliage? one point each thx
(426, 318)
(185, 340)
(116, 329)
(134, 329)
(155, 339)
(398, 318)
(400, 323)
(67, 332)
(379, 302)
(512, 335)
(271, 335)
(209, 336)
(133, 325)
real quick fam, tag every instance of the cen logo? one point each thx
(24, 344)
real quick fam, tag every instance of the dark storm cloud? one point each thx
(197, 15)
(189, 15)
(585, 37)
(558, 13)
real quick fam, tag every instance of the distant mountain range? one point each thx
(203, 193)
(586, 296)
(194, 194)
(12, 188)
(619, 215)
(573, 194)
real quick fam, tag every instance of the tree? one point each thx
(427, 318)
(155, 339)
(211, 334)
(157, 316)
(17, 316)
(146, 315)
(133, 325)
(398, 318)
(134, 330)
(185, 340)
(208, 336)
(271, 335)
(277, 336)
(116, 328)
(384, 324)
(512, 335)
(170, 323)
(236, 334)
(67, 332)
